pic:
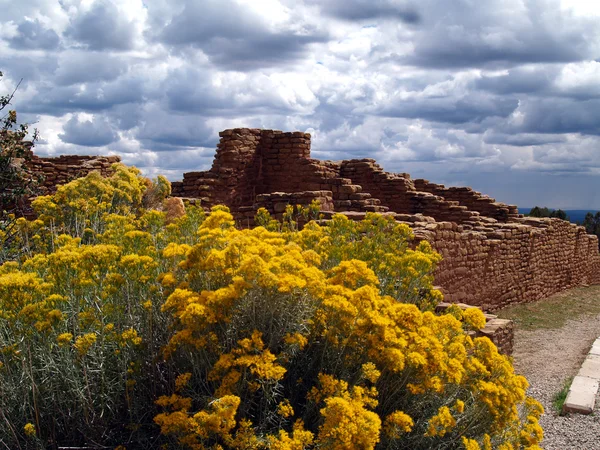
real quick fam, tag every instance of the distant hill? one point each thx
(575, 215)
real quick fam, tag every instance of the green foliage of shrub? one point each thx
(16, 180)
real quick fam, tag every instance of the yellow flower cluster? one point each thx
(78, 304)
(130, 335)
(29, 429)
(84, 343)
(441, 423)
(271, 337)
(330, 292)
(397, 424)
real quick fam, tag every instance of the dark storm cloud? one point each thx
(92, 97)
(522, 139)
(103, 27)
(84, 67)
(90, 133)
(521, 80)
(29, 68)
(32, 35)
(235, 38)
(557, 155)
(471, 107)
(126, 116)
(358, 10)
(329, 116)
(558, 115)
(335, 108)
(499, 33)
(191, 90)
(165, 132)
(261, 51)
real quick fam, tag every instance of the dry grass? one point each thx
(553, 312)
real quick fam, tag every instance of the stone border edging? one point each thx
(581, 397)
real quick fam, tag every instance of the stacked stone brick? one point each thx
(62, 169)
(472, 200)
(277, 202)
(252, 162)
(493, 257)
(48, 173)
(504, 263)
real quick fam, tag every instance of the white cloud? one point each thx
(458, 89)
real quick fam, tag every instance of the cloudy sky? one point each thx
(501, 95)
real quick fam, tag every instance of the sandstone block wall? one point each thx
(64, 168)
(251, 162)
(504, 263)
(277, 202)
(474, 201)
(54, 171)
(493, 256)
(399, 193)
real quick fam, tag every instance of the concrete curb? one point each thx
(581, 397)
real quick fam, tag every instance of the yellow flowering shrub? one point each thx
(122, 326)
(262, 306)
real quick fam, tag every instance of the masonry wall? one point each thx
(472, 200)
(512, 262)
(493, 257)
(54, 171)
(399, 193)
(62, 169)
(252, 162)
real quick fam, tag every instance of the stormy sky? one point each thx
(500, 95)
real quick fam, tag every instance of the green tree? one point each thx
(16, 179)
(536, 211)
(591, 223)
(559, 214)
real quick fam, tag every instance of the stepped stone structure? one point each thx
(493, 256)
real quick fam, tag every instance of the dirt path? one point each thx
(548, 357)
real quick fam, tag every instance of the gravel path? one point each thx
(549, 357)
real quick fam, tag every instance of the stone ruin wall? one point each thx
(51, 172)
(492, 255)
(62, 169)
(514, 262)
